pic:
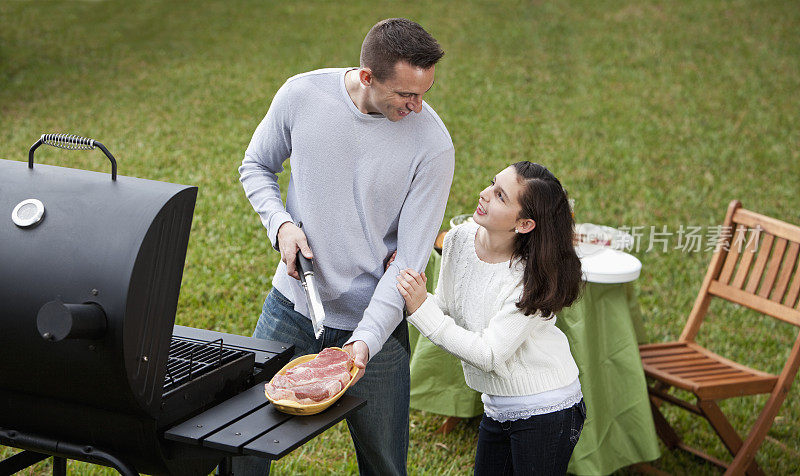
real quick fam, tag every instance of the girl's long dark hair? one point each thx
(552, 277)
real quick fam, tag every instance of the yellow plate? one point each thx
(294, 408)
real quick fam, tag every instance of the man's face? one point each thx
(399, 95)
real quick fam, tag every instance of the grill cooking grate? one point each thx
(188, 360)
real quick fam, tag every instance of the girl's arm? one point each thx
(440, 295)
(488, 349)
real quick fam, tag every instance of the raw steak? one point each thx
(313, 381)
(327, 358)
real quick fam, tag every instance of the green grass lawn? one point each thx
(653, 114)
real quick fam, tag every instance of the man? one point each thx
(371, 168)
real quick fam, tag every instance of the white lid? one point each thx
(605, 265)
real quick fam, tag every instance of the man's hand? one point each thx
(360, 353)
(290, 239)
(412, 287)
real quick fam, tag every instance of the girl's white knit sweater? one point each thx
(474, 316)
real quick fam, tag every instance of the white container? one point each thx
(459, 219)
(601, 264)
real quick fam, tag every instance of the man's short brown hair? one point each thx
(398, 39)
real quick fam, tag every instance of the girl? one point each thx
(502, 279)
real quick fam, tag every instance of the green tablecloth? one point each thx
(603, 328)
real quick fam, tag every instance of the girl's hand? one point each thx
(412, 287)
(391, 260)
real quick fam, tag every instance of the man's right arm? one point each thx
(269, 148)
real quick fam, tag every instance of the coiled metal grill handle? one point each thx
(72, 142)
(68, 141)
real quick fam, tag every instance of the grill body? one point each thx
(119, 244)
(88, 295)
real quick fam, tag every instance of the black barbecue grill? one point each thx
(90, 272)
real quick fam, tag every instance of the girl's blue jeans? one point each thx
(540, 445)
(379, 429)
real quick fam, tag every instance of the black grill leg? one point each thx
(59, 466)
(225, 467)
(20, 461)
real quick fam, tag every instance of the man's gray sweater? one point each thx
(362, 186)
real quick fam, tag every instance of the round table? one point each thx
(604, 329)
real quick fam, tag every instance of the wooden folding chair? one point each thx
(755, 266)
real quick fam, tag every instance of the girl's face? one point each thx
(498, 204)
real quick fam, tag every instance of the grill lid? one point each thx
(113, 246)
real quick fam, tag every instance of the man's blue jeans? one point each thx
(540, 445)
(379, 429)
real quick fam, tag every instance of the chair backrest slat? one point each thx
(778, 249)
(791, 263)
(732, 256)
(747, 250)
(791, 296)
(761, 262)
(788, 264)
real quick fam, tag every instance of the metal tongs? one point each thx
(305, 267)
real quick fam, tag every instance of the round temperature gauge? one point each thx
(28, 213)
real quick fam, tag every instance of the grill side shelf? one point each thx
(195, 429)
(297, 430)
(248, 424)
(233, 437)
